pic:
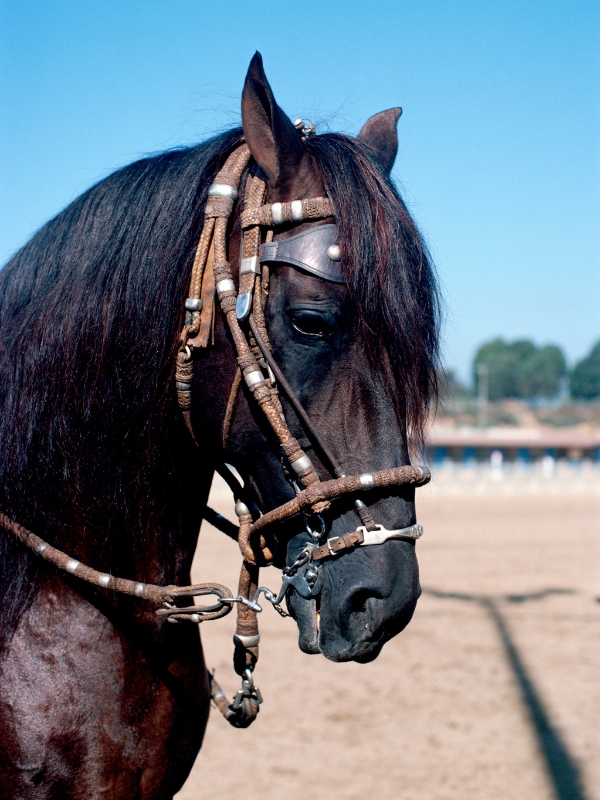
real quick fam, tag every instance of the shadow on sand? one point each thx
(561, 768)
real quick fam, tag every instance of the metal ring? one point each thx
(313, 534)
(223, 190)
(366, 480)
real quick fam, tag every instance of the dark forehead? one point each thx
(294, 285)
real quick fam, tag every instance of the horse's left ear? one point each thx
(380, 133)
(275, 144)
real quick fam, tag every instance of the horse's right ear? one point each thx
(275, 144)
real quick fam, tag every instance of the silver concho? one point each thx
(333, 251)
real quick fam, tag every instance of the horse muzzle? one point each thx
(356, 606)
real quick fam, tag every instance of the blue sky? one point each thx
(499, 156)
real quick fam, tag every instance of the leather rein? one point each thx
(243, 308)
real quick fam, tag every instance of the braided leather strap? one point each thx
(325, 491)
(275, 214)
(145, 591)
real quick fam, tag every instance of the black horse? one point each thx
(97, 697)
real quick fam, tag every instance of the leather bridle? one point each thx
(243, 311)
(264, 379)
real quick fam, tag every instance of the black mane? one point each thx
(389, 274)
(90, 311)
(90, 436)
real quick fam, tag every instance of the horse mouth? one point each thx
(307, 614)
(356, 604)
(313, 640)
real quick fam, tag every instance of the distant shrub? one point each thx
(585, 378)
(539, 374)
(520, 369)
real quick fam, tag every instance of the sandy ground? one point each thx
(491, 693)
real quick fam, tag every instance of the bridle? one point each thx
(243, 311)
(264, 379)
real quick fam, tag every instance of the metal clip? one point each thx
(316, 535)
(248, 689)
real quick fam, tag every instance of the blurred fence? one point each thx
(520, 476)
(513, 460)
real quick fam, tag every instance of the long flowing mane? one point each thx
(91, 441)
(389, 273)
(92, 445)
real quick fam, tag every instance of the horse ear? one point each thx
(275, 144)
(380, 133)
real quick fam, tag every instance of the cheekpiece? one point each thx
(309, 251)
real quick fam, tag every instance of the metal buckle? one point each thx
(331, 550)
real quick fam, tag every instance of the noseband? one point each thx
(314, 251)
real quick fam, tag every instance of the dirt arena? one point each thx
(491, 693)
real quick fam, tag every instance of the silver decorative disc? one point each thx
(333, 251)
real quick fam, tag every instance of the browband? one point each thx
(314, 250)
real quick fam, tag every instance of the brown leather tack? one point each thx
(397, 476)
(218, 207)
(228, 302)
(207, 291)
(230, 178)
(210, 266)
(247, 360)
(339, 544)
(261, 391)
(145, 591)
(222, 270)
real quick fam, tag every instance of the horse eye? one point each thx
(311, 324)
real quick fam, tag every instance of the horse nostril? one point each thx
(359, 601)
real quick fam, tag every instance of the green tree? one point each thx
(522, 348)
(503, 361)
(585, 378)
(538, 375)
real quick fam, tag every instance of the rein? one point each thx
(212, 275)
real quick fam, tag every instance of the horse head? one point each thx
(357, 347)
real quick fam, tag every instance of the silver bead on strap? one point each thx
(277, 213)
(247, 641)
(301, 464)
(297, 210)
(222, 190)
(253, 378)
(243, 305)
(226, 285)
(333, 252)
(366, 480)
